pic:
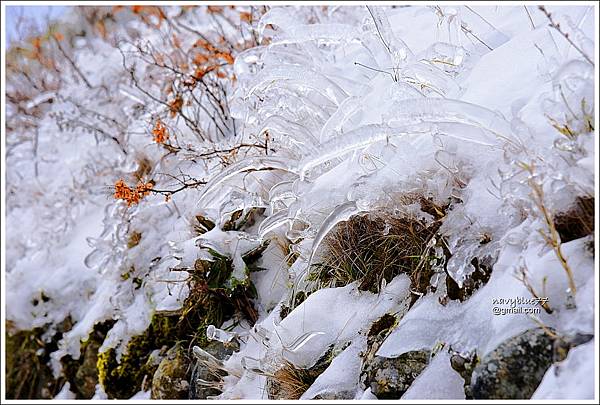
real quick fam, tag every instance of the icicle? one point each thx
(206, 357)
(357, 139)
(249, 164)
(296, 133)
(273, 222)
(323, 33)
(278, 16)
(239, 200)
(282, 190)
(337, 119)
(304, 77)
(429, 78)
(261, 335)
(442, 110)
(301, 341)
(341, 213)
(214, 333)
(399, 51)
(252, 365)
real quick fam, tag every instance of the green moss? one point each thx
(122, 379)
(211, 301)
(82, 373)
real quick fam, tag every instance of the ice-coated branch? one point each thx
(557, 27)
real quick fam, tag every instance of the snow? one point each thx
(351, 110)
(572, 378)
(65, 392)
(437, 381)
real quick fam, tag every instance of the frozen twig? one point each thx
(566, 35)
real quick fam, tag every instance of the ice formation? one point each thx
(359, 109)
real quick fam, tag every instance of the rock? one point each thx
(464, 364)
(338, 395)
(169, 381)
(565, 343)
(199, 390)
(378, 332)
(515, 368)
(86, 376)
(389, 378)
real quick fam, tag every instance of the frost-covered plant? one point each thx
(250, 158)
(376, 247)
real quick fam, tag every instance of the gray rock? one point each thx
(200, 373)
(515, 368)
(86, 377)
(169, 381)
(337, 395)
(464, 364)
(566, 343)
(389, 378)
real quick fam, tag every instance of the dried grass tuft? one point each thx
(374, 247)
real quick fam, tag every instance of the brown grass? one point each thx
(376, 246)
(290, 382)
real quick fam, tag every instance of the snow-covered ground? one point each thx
(486, 111)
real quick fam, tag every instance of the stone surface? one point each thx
(339, 395)
(464, 364)
(389, 378)
(169, 381)
(86, 376)
(198, 390)
(515, 368)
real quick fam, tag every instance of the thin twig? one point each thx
(468, 31)
(192, 184)
(379, 32)
(376, 70)
(529, 15)
(556, 26)
(72, 63)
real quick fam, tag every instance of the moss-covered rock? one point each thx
(201, 374)
(376, 335)
(389, 378)
(86, 376)
(464, 364)
(170, 380)
(82, 373)
(515, 368)
(210, 302)
(122, 379)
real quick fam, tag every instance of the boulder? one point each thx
(515, 368)
(200, 372)
(169, 381)
(389, 378)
